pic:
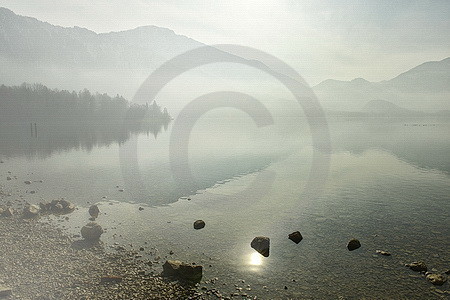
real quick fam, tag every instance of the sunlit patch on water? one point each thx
(255, 259)
(254, 262)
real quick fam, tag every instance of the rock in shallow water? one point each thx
(94, 211)
(418, 266)
(353, 244)
(296, 237)
(436, 279)
(176, 268)
(31, 211)
(91, 232)
(57, 207)
(261, 244)
(199, 224)
(385, 253)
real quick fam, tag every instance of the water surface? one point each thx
(388, 185)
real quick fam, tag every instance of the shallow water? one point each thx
(388, 185)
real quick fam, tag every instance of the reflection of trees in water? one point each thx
(37, 121)
(18, 141)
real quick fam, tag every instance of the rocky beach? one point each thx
(40, 261)
(42, 258)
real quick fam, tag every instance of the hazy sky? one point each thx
(322, 39)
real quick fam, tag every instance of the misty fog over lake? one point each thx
(159, 130)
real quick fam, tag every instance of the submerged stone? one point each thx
(385, 253)
(436, 279)
(418, 266)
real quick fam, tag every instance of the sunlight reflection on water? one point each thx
(255, 259)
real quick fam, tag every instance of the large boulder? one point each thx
(31, 211)
(296, 237)
(176, 268)
(418, 266)
(436, 279)
(353, 244)
(91, 232)
(261, 244)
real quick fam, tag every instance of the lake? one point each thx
(385, 182)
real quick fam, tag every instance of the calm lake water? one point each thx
(388, 185)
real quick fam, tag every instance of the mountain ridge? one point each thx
(74, 57)
(117, 62)
(425, 87)
(328, 80)
(4, 10)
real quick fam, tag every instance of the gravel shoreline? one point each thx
(38, 260)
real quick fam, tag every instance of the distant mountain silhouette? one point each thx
(433, 76)
(425, 87)
(115, 62)
(118, 62)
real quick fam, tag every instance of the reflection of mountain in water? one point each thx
(423, 142)
(37, 121)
